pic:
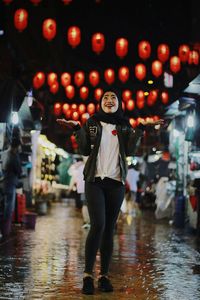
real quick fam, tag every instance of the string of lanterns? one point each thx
(49, 29)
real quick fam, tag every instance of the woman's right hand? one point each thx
(69, 123)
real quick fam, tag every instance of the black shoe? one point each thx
(105, 285)
(88, 285)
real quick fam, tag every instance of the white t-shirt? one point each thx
(132, 179)
(108, 155)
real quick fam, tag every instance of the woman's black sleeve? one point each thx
(82, 139)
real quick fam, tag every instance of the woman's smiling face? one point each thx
(109, 102)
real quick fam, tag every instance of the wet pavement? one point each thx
(151, 260)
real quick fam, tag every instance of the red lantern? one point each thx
(133, 122)
(84, 92)
(65, 79)
(21, 19)
(74, 107)
(68, 113)
(85, 117)
(98, 42)
(123, 74)
(57, 109)
(183, 53)
(121, 47)
(91, 108)
(79, 78)
(156, 68)
(164, 97)
(109, 76)
(70, 91)
(175, 64)
(65, 108)
(126, 95)
(74, 36)
(94, 78)
(38, 80)
(66, 2)
(144, 49)
(81, 109)
(152, 97)
(51, 78)
(49, 29)
(35, 2)
(75, 116)
(54, 88)
(130, 105)
(7, 2)
(140, 99)
(193, 58)
(163, 52)
(140, 71)
(98, 93)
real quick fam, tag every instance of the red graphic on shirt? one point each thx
(114, 132)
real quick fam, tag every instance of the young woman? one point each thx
(107, 138)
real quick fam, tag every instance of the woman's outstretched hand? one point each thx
(154, 122)
(70, 123)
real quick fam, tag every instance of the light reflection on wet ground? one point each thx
(150, 261)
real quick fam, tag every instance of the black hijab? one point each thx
(117, 118)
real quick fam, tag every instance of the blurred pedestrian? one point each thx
(107, 138)
(12, 171)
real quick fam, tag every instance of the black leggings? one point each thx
(104, 199)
